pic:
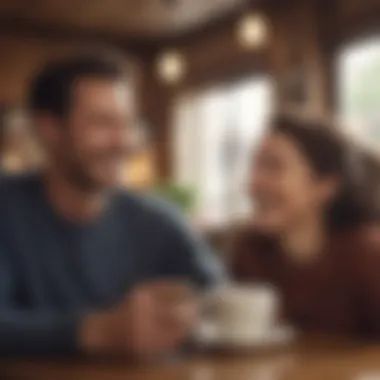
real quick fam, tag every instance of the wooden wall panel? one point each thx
(301, 57)
(20, 58)
(140, 19)
(358, 18)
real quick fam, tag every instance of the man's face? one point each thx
(93, 142)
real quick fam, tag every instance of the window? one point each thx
(359, 90)
(215, 131)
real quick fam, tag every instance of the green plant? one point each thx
(182, 196)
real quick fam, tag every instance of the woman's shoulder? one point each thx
(367, 265)
(369, 239)
(364, 236)
(363, 244)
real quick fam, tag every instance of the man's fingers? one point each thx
(160, 314)
(178, 321)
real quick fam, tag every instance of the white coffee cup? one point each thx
(241, 314)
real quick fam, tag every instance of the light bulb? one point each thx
(171, 67)
(252, 31)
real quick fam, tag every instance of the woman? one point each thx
(313, 235)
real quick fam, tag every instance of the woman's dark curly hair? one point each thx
(329, 153)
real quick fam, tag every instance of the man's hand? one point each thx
(155, 318)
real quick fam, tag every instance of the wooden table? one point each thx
(315, 360)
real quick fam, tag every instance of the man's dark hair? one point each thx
(51, 89)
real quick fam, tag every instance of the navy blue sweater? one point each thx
(52, 271)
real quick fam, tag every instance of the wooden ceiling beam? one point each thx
(13, 24)
(30, 29)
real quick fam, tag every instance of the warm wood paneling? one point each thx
(301, 57)
(358, 18)
(20, 58)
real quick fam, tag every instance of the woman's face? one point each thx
(284, 188)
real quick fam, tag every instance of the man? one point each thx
(84, 266)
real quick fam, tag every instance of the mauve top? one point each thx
(338, 293)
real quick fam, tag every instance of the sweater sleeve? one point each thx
(188, 255)
(369, 284)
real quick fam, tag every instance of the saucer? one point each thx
(276, 336)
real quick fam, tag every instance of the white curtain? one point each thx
(359, 90)
(215, 131)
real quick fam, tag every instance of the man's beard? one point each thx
(79, 177)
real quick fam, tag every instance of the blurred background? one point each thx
(210, 73)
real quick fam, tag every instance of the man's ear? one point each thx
(47, 129)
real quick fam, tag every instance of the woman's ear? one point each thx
(329, 188)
